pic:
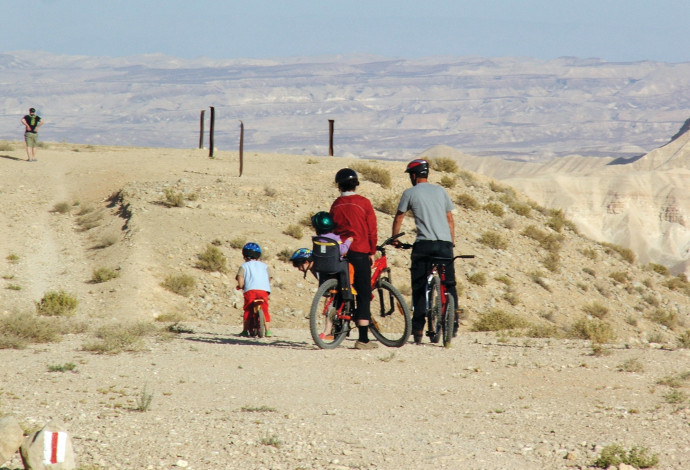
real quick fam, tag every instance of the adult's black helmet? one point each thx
(323, 222)
(346, 174)
(418, 167)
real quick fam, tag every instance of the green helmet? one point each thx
(323, 222)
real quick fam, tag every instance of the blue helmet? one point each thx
(300, 256)
(251, 250)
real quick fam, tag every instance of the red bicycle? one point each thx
(331, 315)
(256, 323)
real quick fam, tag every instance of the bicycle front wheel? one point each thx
(327, 329)
(391, 323)
(434, 313)
(448, 321)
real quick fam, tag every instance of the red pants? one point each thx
(249, 297)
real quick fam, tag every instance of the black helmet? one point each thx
(418, 167)
(251, 251)
(323, 222)
(346, 174)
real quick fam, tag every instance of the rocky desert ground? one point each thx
(599, 354)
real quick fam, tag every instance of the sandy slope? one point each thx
(220, 401)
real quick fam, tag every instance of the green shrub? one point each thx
(495, 208)
(212, 259)
(181, 284)
(373, 173)
(466, 201)
(497, 320)
(57, 304)
(613, 455)
(103, 275)
(493, 240)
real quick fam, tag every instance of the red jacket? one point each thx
(354, 217)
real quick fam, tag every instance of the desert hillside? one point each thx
(640, 204)
(545, 390)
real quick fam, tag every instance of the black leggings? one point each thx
(362, 283)
(422, 253)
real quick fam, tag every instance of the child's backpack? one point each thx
(326, 255)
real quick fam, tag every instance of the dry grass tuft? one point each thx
(493, 240)
(373, 173)
(596, 310)
(387, 205)
(212, 259)
(294, 230)
(116, 338)
(443, 164)
(498, 320)
(466, 201)
(595, 330)
(57, 304)
(104, 275)
(181, 284)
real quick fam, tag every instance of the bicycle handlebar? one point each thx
(390, 240)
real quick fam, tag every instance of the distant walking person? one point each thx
(32, 122)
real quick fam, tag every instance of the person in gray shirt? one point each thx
(432, 210)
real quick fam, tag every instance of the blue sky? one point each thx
(613, 30)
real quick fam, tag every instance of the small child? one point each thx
(324, 225)
(255, 279)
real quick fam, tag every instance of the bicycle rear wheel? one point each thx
(390, 316)
(327, 330)
(448, 320)
(434, 313)
(261, 321)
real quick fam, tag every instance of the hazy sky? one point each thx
(614, 30)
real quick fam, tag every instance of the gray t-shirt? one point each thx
(429, 204)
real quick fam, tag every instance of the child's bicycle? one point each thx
(331, 316)
(256, 323)
(440, 305)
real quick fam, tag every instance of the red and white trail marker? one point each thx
(54, 445)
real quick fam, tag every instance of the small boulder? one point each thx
(49, 449)
(11, 436)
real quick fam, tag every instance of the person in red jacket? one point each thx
(354, 217)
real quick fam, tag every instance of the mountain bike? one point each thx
(440, 305)
(332, 314)
(256, 322)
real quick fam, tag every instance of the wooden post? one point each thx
(331, 125)
(241, 146)
(210, 137)
(201, 129)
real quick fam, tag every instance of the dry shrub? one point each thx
(493, 240)
(467, 177)
(181, 284)
(590, 253)
(173, 198)
(662, 317)
(497, 320)
(512, 298)
(212, 259)
(447, 181)
(589, 271)
(238, 242)
(625, 253)
(20, 329)
(6, 146)
(659, 269)
(679, 283)
(538, 278)
(373, 173)
(57, 304)
(499, 188)
(104, 275)
(116, 338)
(107, 240)
(552, 262)
(556, 220)
(619, 277)
(478, 279)
(90, 220)
(543, 331)
(387, 205)
(444, 164)
(495, 208)
(62, 208)
(684, 339)
(270, 192)
(466, 201)
(294, 230)
(305, 221)
(596, 309)
(285, 255)
(595, 330)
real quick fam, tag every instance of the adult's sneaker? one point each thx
(368, 345)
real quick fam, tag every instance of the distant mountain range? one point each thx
(517, 108)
